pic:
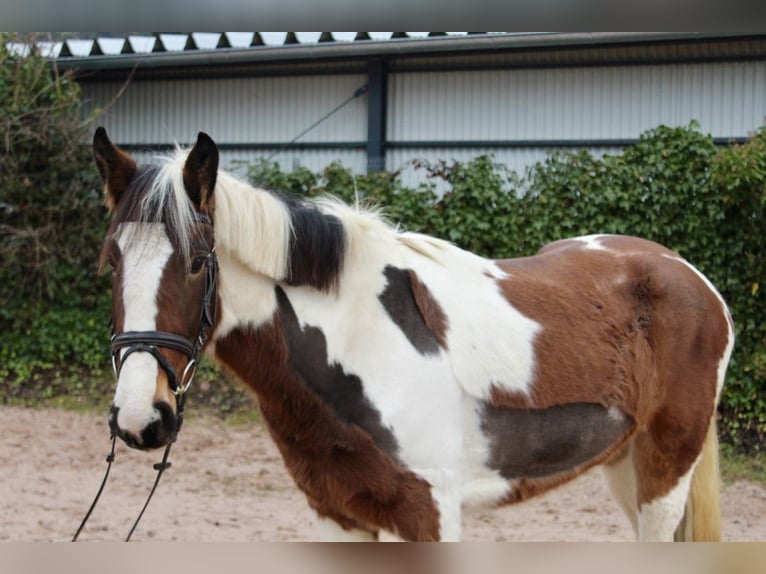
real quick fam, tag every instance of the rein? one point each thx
(150, 342)
(160, 467)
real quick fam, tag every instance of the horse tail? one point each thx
(702, 517)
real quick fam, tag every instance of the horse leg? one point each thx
(653, 511)
(659, 518)
(331, 531)
(666, 457)
(664, 502)
(450, 514)
(620, 474)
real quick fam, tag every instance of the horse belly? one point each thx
(532, 450)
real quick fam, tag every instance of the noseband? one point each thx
(152, 341)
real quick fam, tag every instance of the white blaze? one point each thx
(146, 250)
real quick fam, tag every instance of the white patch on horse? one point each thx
(365, 342)
(495, 272)
(489, 342)
(331, 531)
(615, 414)
(623, 484)
(246, 297)
(657, 520)
(143, 265)
(481, 486)
(593, 241)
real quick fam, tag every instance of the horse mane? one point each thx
(295, 240)
(166, 200)
(151, 198)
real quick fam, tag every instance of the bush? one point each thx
(52, 224)
(54, 335)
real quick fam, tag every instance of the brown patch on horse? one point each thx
(343, 472)
(626, 326)
(590, 347)
(411, 306)
(342, 391)
(432, 312)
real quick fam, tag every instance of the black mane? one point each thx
(317, 246)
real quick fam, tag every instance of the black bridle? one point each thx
(151, 342)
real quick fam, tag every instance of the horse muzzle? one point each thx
(155, 434)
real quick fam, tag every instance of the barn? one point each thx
(379, 100)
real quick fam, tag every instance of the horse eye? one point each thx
(197, 263)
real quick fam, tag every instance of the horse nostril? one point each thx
(160, 431)
(154, 435)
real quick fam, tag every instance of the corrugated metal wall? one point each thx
(429, 113)
(728, 99)
(269, 110)
(538, 110)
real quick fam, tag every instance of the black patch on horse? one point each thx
(341, 390)
(399, 301)
(533, 443)
(317, 247)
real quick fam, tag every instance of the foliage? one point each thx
(51, 225)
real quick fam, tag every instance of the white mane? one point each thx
(255, 226)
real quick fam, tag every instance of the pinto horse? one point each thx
(403, 378)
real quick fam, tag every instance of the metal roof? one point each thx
(194, 41)
(214, 48)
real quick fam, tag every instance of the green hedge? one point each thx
(52, 223)
(675, 186)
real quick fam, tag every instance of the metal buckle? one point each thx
(185, 383)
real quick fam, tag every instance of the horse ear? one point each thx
(200, 172)
(116, 167)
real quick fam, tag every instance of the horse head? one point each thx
(160, 248)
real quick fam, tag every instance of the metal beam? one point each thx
(376, 116)
(419, 144)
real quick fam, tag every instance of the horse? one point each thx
(402, 378)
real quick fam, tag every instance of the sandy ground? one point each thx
(228, 484)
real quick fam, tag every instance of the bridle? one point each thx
(151, 342)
